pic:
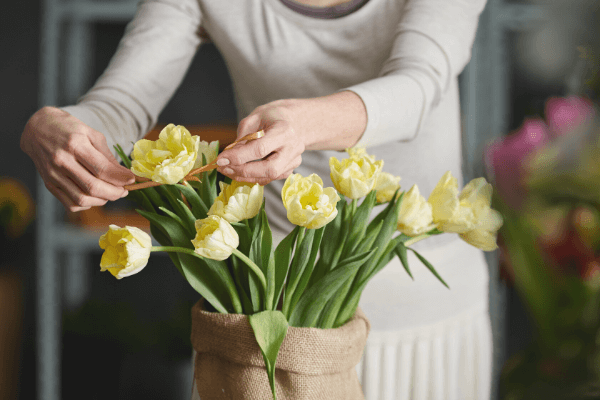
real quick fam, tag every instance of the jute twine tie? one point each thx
(146, 183)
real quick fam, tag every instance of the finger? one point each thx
(92, 186)
(64, 199)
(99, 142)
(248, 125)
(268, 169)
(286, 174)
(73, 192)
(97, 163)
(274, 139)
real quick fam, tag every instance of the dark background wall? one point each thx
(127, 327)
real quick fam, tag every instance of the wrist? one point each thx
(332, 122)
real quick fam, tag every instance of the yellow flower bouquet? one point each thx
(222, 244)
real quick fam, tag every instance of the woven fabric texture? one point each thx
(312, 363)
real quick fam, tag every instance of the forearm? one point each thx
(333, 122)
(150, 63)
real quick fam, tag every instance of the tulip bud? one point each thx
(126, 250)
(238, 201)
(308, 204)
(215, 238)
(168, 159)
(414, 215)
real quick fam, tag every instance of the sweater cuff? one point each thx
(396, 106)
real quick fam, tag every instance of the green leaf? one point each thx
(283, 254)
(310, 266)
(220, 267)
(176, 218)
(369, 240)
(208, 189)
(187, 216)
(331, 310)
(174, 230)
(240, 271)
(199, 209)
(170, 194)
(349, 309)
(266, 240)
(255, 254)
(270, 328)
(200, 276)
(241, 282)
(402, 254)
(153, 196)
(126, 160)
(307, 311)
(429, 267)
(359, 221)
(164, 240)
(332, 231)
(385, 212)
(299, 262)
(390, 222)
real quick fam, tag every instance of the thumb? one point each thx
(248, 125)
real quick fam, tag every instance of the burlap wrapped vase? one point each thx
(312, 363)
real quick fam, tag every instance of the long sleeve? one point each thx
(150, 63)
(432, 46)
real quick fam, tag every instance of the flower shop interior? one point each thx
(67, 331)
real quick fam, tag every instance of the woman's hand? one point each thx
(271, 157)
(74, 160)
(333, 122)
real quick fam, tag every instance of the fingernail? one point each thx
(221, 162)
(228, 171)
(125, 194)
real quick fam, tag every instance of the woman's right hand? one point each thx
(74, 160)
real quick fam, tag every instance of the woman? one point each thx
(318, 76)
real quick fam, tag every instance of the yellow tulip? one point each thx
(215, 238)
(449, 213)
(484, 234)
(386, 185)
(476, 197)
(238, 201)
(168, 159)
(210, 151)
(359, 152)
(415, 214)
(126, 250)
(355, 177)
(308, 204)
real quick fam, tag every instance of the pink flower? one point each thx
(565, 114)
(505, 159)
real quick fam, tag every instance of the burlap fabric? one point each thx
(312, 363)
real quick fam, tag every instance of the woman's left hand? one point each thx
(272, 157)
(333, 122)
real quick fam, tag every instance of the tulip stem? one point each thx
(353, 207)
(234, 295)
(416, 239)
(253, 267)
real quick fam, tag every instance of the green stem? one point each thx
(253, 267)
(248, 230)
(416, 239)
(237, 305)
(301, 234)
(353, 207)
